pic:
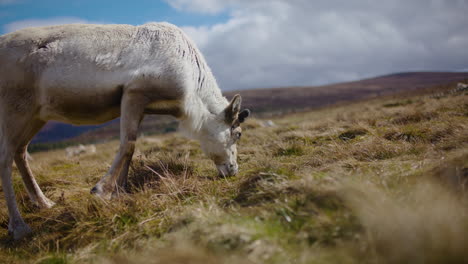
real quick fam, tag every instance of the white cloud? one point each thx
(300, 42)
(199, 6)
(16, 25)
(270, 43)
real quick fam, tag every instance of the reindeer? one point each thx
(90, 74)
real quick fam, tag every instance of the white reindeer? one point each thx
(89, 74)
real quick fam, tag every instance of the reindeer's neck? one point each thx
(211, 96)
(203, 103)
(204, 99)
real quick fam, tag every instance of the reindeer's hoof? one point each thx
(99, 192)
(95, 190)
(46, 203)
(20, 231)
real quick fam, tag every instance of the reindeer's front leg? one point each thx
(132, 110)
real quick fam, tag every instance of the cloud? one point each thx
(16, 25)
(300, 42)
(198, 6)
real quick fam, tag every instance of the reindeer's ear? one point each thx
(232, 110)
(243, 115)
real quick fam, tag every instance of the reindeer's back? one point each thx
(106, 47)
(44, 56)
(82, 63)
(44, 45)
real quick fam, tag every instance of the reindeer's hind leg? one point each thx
(17, 130)
(34, 191)
(16, 225)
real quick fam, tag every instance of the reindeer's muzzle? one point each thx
(227, 170)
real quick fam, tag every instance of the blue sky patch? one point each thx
(105, 11)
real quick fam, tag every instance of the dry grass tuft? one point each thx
(378, 149)
(414, 117)
(259, 188)
(294, 149)
(147, 173)
(427, 225)
(352, 134)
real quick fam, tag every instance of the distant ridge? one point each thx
(280, 99)
(272, 101)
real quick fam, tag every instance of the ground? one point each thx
(379, 181)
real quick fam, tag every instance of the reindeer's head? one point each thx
(221, 135)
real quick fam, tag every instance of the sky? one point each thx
(278, 43)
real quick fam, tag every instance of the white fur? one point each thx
(88, 74)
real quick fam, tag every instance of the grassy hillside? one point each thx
(381, 181)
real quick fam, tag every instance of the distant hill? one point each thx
(276, 100)
(271, 101)
(56, 131)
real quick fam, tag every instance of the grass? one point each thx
(382, 181)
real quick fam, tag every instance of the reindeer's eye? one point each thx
(236, 133)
